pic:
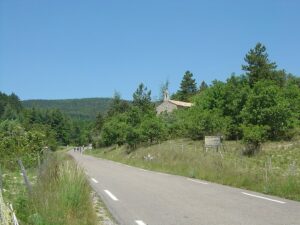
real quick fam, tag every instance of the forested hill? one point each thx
(86, 108)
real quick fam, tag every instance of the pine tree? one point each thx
(117, 105)
(203, 86)
(99, 122)
(142, 99)
(258, 65)
(188, 87)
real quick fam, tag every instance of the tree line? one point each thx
(78, 109)
(261, 104)
(26, 132)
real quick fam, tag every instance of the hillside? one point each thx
(86, 108)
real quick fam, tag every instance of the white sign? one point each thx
(212, 141)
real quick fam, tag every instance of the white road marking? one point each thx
(140, 222)
(142, 169)
(269, 199)
(93, 179)
(111, 195)
(197, 181)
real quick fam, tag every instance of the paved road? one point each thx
(138, 197)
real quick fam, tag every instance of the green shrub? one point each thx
(254, 135)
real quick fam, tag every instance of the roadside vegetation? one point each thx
(250, 112)
(275, 170)
(261, 105)
(60, 194)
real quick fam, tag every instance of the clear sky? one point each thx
(73, 49)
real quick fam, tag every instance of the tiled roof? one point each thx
(180, 103)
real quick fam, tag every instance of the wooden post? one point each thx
(39, 160)
(0, 179)
(26, 180)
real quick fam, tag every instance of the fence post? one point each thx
(39, 160)
(0, 179)
(26, 180)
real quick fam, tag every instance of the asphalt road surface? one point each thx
(137, 197)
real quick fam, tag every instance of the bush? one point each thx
(16, 143)
(266, 106)
(114, 131)
(254, 135)
(153, 129)
(133, 138)
(207, 122)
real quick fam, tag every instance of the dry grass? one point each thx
(61, 194)
(275, 170)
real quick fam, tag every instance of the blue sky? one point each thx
(73, 49)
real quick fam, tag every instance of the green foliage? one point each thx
(273, 171)
(80, 133)
(188, 87)
(291, 93)
(254, 135)
(137, 124)
(263, 104)
(153, 129)
(207, 122)
(54, 119)
(133, 137)
(99, 122)
(61, 196)
(117, 105)
(203, 86)
(258, 65)
(16, 143)
(10, 106)
(61, 124)
(142, 99)
(79, 109)
(176, 123)
(267, 106)
(114, 131)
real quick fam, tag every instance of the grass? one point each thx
(275, 170)
(61, 194)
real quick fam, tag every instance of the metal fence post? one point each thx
(0, 179)
(26, 180)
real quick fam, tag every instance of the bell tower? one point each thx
(166, 96)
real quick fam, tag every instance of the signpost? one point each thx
(212, 142)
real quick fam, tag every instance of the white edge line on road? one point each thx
(111, 195)
(93, 179)
(269, 199)
(140, 222)
(142, 169)
(197, 181)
